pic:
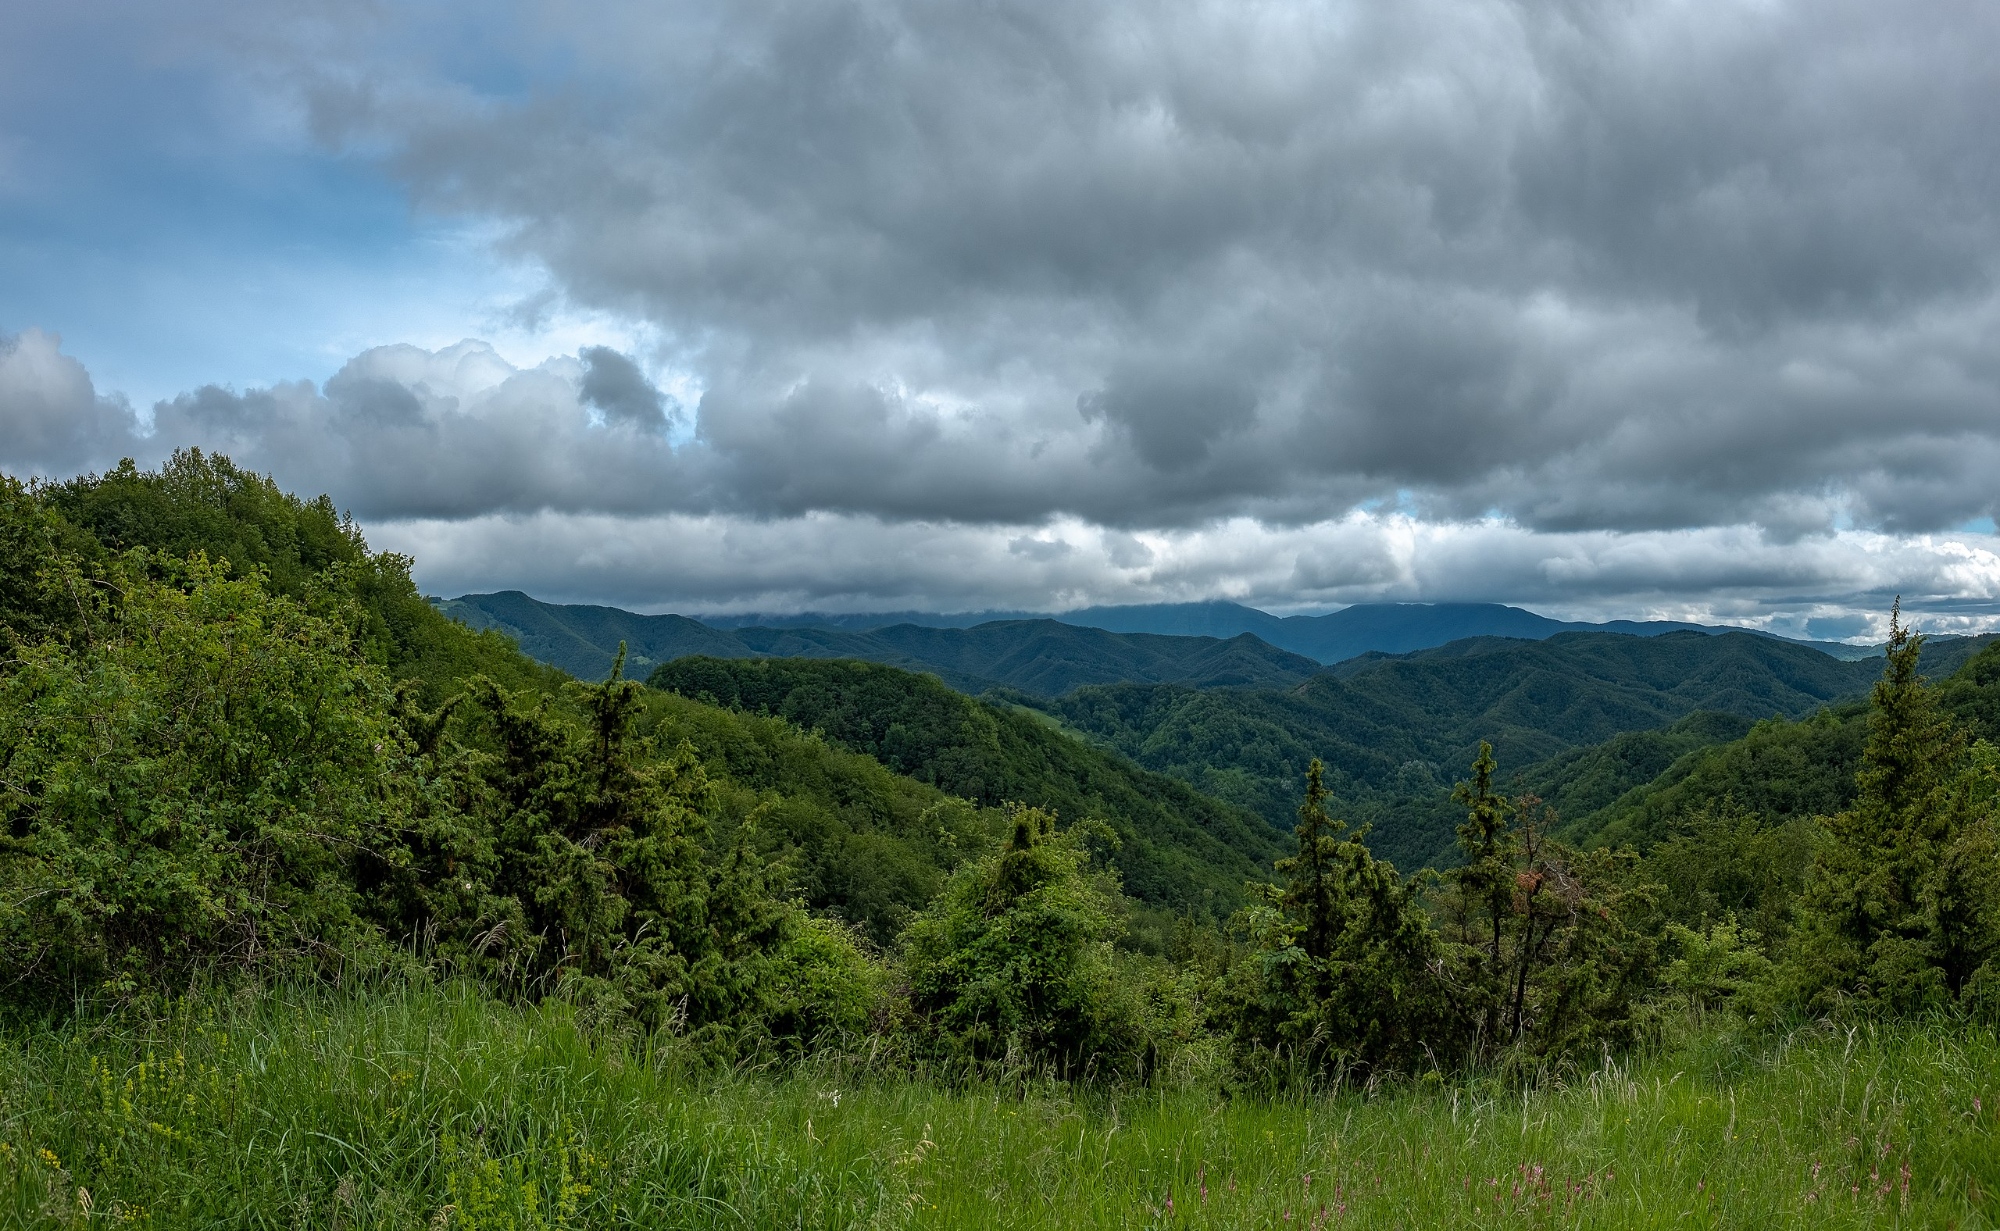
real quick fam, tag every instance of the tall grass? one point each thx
(436, 1108)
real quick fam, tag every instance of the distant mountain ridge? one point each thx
(1386, 628)
(1043, 657)
(581, 639)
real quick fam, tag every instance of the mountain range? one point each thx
(1392, 628)
(1237, 718)
(1197, 644)
(1042, 657)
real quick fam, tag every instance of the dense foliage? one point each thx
(196, 777)
(1015, 960)
(1343, 966)
(1901, 905)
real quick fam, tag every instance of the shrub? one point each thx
(192, 784)
(1015, 958)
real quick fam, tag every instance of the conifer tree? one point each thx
(1483, 893)
(1313, 893)
(1543, 957)
(1015, 957)
(1343, 965)
(600, 857)
(1895, 912)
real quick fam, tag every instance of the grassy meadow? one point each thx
(438, 1108)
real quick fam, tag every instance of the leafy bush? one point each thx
(193, 783)
(1015, 960)
(215, 778)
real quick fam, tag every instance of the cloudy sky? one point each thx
(1606, 309)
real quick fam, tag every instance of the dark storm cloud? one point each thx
(1624, 266)
(615, 385)
(1170, 416)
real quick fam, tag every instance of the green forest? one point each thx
(322, 908)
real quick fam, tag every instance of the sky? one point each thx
(1640, 309)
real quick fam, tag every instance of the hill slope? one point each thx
(1780, 770)
(1039, 657)
(1181, 850)
(1396, 732)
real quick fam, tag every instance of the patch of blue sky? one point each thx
(1401, 501)
(178, 226)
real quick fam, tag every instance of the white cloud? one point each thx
(724, 563)
(52, 419)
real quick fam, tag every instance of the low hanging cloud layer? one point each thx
(563, 480)
(1636, 309)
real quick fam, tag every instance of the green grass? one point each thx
(384, 1109)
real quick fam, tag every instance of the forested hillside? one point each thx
(1039, 657)
(1394, 730)
(1239, 720)
(1780, 770)
(852, 838)
(1179, 848)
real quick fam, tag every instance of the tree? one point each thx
(1313, 889)
(601, 883)
(1544, 955)
(1898, 908)
(1342, 969)
(1483, 893)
